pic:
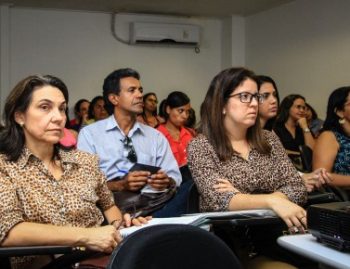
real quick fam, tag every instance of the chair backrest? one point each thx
(306, 157)
(192, 200)
(173, 246)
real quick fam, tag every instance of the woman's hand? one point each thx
(223, 185)
(316, 179)
(292, 214)
(102, 239)
(129, 221)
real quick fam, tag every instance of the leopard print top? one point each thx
(28, 192)
(259, 174)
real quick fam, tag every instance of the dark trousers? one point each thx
(177, 205)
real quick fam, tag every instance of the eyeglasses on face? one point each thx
(247, 97)
(132, 157)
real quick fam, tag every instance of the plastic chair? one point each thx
(173, 246)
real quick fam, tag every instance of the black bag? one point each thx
(142, 204)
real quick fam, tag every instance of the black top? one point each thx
(287, 139)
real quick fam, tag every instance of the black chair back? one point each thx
(193, 200)
(173, 246)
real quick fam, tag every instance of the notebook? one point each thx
(195, 220)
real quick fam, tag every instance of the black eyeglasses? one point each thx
(132, 157)
(247, 97)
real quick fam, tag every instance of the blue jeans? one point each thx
(177, 205)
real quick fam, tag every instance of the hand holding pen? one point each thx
(129, 221)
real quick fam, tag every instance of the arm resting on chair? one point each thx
(102, 239)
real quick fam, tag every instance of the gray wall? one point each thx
(304, 46)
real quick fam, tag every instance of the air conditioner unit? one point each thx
(164, 33)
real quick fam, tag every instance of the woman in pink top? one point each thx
(177, 109)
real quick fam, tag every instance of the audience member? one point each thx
(97, 110)
(315, 124)
(149, 115)
(235, 164)
(81, 109)
(267, 113)
(293, 131)
(50, 195)
(332, 149)
(269, 107)
(291, 124)
(120, 141)
(177, 109)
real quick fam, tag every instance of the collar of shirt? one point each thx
(113, 124)
(66, 156)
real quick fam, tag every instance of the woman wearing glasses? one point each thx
(50, 195)
(234, 163)
(291, 124)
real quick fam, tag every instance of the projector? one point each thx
(330, 224)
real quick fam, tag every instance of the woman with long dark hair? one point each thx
(268, 112)
(177, 110)
(268, 109)
(332, 150)
(291, 124)
(149, 115)
(235, 164)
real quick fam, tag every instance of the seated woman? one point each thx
(50, 195)
(149, 115)
(97, 110)
(81, 109)
(177, 109)
(332, 150)
(292, 129)
(234, 163)
(267, 114)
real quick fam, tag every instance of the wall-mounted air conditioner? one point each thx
(164, 33)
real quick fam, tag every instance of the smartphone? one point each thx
(144, 167)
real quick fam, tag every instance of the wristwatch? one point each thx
(306, 130)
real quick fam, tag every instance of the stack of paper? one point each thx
(195, 220)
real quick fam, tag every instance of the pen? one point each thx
(123, 171)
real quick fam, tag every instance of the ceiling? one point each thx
(205, 8)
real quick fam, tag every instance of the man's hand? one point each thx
(135, 180)
(159, 180)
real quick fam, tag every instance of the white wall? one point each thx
(304, 46)
(79, 48)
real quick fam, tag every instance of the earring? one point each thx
(224, 112)
(341, 121)
(21, 124)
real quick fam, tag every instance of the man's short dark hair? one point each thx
(112, 83)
